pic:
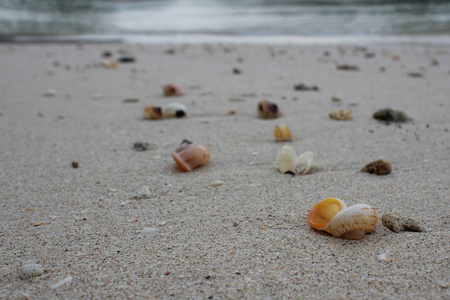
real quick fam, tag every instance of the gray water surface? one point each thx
(224, 17)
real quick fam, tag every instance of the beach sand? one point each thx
(247, 237)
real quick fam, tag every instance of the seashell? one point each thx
(152, 112)
(268, 110)
(320, 215)
(288, 162)
(340, 114)
(354, 222)
(190, 156)
(304, 163)
(174, 110)
(282, 133)
(171, 90)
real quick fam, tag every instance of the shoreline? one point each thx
(432, 39)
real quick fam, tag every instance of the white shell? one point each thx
(174, 110)
(304, 163)
(354, 222)
(287, 159)
(289, 162)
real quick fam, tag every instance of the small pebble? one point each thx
(236, 71)
(305, 87)
(126, 59)
(378, 167)
(340, 115)
(50, 93)
(143, 193)
(30, 270)
(415, 74)
(336, 98)
(148, 230)
(398, 223)
(217, 183)
(74, 164)
(38, 223)
(141, 146)
(131, 100)
(346, 67)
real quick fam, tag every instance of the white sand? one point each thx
(247, 237)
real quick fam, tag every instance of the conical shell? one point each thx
(354, 222)
(282, 133)
(287, 160)
(321, 214)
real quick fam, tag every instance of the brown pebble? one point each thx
(74, 164)
(39, 223)
(346, 67)
(378, 167)
(398, 223)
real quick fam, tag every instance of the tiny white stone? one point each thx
(50, 93)
(382, 256)
(61, 282)
(217, 183)
(255, 153)
(143, 193)
(147, 230)
(30, 270)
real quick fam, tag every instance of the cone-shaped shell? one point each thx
(287, 159)
(171, 90)
(321, 214)
(282, 133)
(268, 110)
(304, 163)
(191, 157)
(174, 110)
(152, 112)
(354, 222)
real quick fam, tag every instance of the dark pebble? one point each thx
(126, 59)
(141, 146)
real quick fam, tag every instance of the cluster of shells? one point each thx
(330, 215)
(333, 216)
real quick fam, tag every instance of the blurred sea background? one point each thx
(147, 20)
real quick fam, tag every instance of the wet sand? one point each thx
(247, 237)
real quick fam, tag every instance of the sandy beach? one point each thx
(236, 227)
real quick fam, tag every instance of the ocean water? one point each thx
(257, 18)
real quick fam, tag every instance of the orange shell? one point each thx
(192, 157)
(320, 215)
